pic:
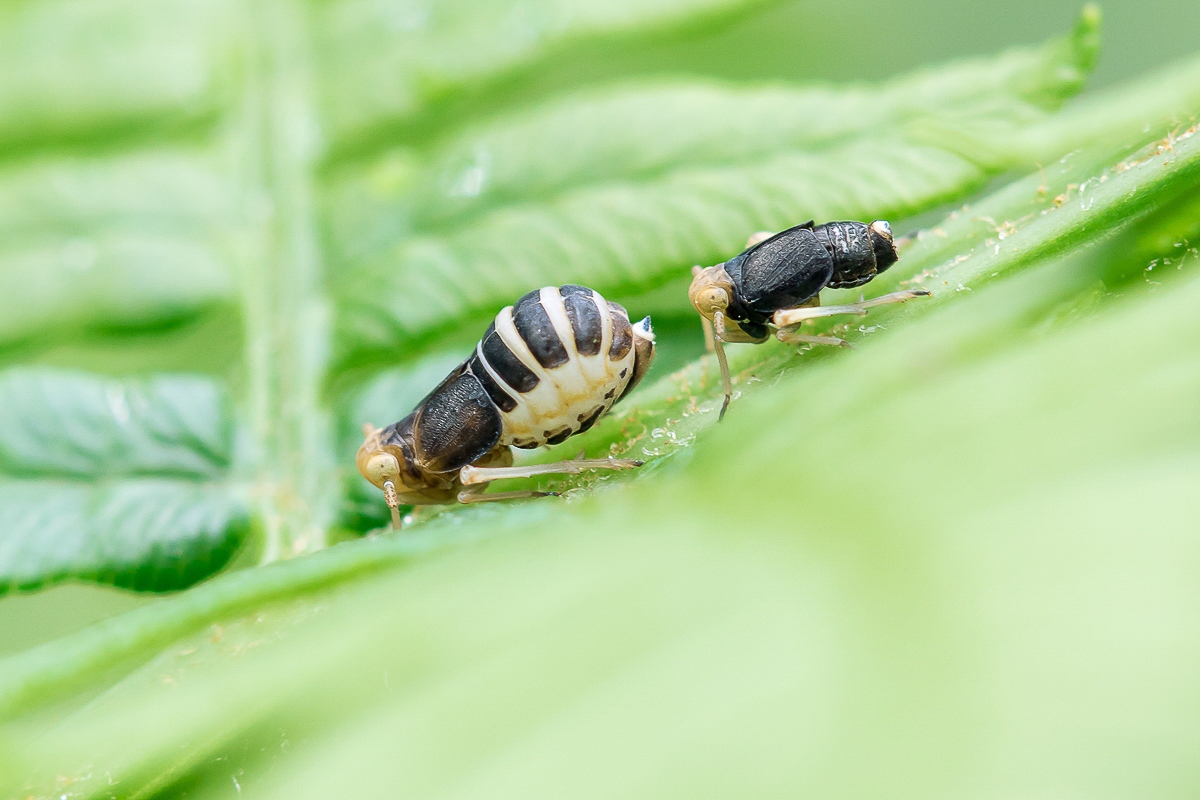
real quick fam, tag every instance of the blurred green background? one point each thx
(809, 41)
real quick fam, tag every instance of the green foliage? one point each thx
(382, 65)
(82, 72)
(85, 238)
(122, 482)
(964, 547)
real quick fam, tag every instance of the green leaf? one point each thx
(693, 618)
(85, 241)
(73, 71)
(125, 483)
(381, 63)
(644, 129)
(1018, 228)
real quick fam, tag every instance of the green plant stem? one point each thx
(286, 316)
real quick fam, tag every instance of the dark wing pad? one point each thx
(781, 272)
(456, 424)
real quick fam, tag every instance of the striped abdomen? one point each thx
(556, 361)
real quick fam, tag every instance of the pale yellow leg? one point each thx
(477, 496)
(471, 475)
(788, 317)
(790, 336)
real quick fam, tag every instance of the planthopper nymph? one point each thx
(776, 283)
(547, 368)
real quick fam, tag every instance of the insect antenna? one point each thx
(718, 345)
(393, 502)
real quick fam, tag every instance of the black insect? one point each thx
(776, 282)
(546, 369)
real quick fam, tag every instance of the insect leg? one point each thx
(470, 474)
(476, 495)
(787, 317)
(790, 336)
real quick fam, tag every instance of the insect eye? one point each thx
(381, 467)
(713, 299)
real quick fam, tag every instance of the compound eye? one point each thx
(709, 291)
(714, 299)
(382, 467)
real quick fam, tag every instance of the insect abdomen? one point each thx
(556, 361)
(859, 252)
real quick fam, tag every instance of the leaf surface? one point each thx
(123, 482)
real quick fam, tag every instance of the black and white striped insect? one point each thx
(776, 283)
(547, 368)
